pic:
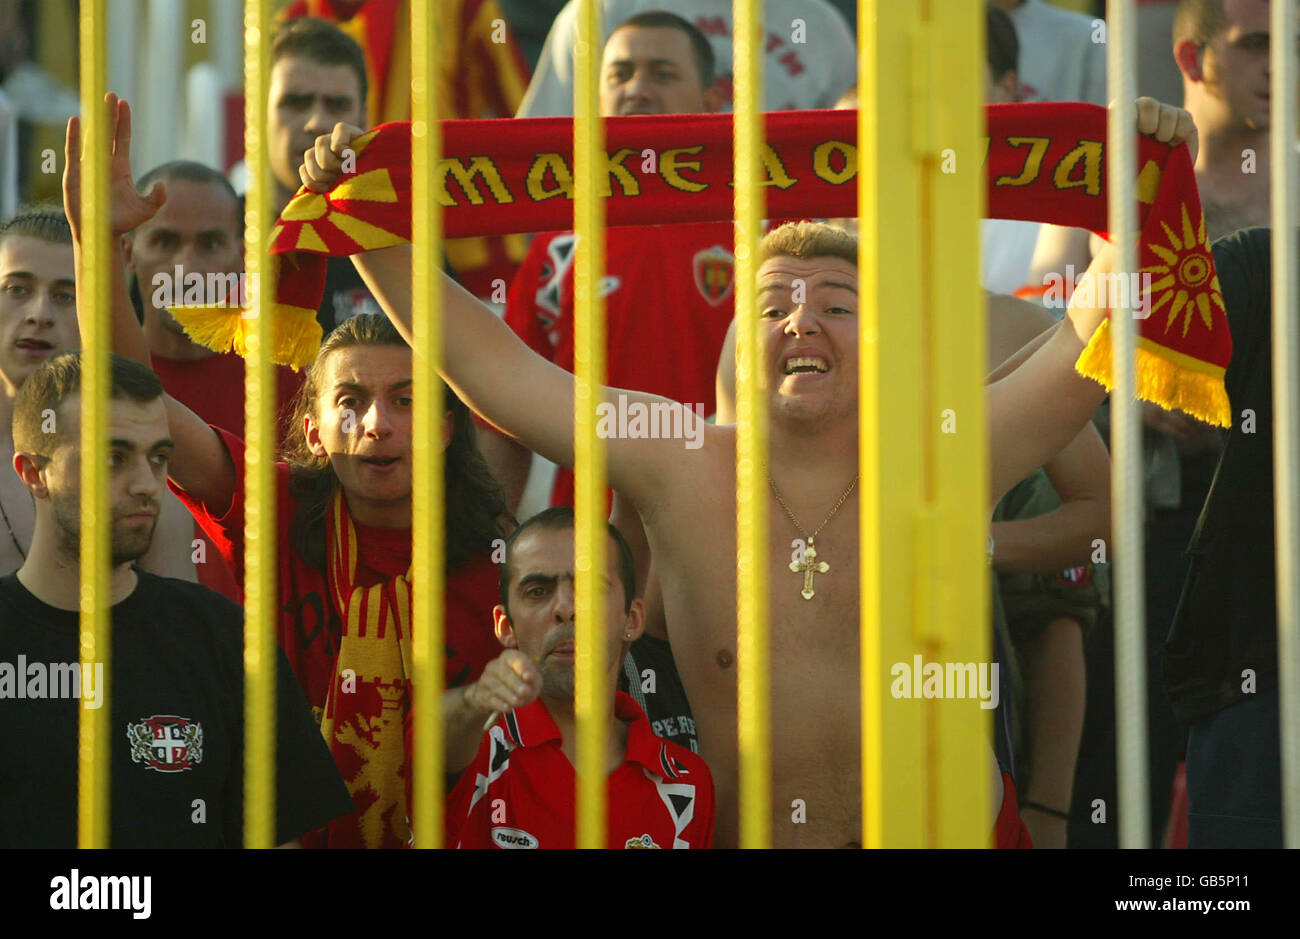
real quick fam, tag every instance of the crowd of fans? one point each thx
(344, 477)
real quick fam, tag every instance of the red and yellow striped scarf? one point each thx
(1043, 163)
(364, 719)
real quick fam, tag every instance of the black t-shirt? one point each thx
(650, 676)
(1226, 621)
(176, 731)
(346, 295)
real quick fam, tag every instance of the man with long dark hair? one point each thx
(343, 535)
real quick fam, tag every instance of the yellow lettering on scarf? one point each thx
(670, 169)
(1089, 152)
(775, 170)
(822, 161)
(1033, 161)
(537, 190)
(614, 169)
(480, 166)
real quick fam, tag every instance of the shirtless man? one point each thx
(1222, 49)
(1035, 409)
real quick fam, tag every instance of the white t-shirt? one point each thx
(1007, 249)
(1059, 59)
(810, 61)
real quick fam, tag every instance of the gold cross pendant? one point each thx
(808, 568)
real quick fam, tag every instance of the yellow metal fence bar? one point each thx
(1127, 511)
(955, 577)
(1285, 198)
(890, 44)
(259, 476)
(752, 650)
(94, 753)
(592, 700)
(427, 507)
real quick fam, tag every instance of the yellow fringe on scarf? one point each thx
(296, 333)
(1175, 381)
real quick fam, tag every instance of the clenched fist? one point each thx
(322, 165)
(509, 681)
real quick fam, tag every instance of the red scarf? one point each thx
(365, 712)
(1044, 163)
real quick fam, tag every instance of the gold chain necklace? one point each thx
(810, 564)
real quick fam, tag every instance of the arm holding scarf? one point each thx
(488, 366)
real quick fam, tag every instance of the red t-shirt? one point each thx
(213, 388)
(669, 298)
(519, 791)
(309, 625)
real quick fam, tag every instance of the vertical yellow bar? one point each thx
(892, 132)
(752, 688)
(592, 699)
(1127, 511)
(427, 508)
(1285, 197)
(957, 478)
(94, 754)
(259, 462)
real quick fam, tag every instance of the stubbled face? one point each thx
(541, 623)
(650, 70)
(139, 450)
(810, 318)
(197, 229)
(38, 305)
(307, 99)
(1236, 63)
(363, 422)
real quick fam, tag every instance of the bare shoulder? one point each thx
(696, 479)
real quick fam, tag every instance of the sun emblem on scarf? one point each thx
(315, 222)
(1187, 282)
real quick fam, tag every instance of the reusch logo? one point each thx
(513, 838)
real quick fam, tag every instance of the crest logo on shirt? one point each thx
(504, 837)
(166, 743)
(645, 841)
(715, 273)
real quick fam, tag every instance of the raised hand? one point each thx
(508, 682)
(322, 165)
(129, 208)
(1167, 124)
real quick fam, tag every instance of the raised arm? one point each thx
(1080, 473)
(495, 372)
(200, 463)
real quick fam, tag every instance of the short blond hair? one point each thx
(809, 240)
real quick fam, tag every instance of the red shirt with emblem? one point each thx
(519, 791)
(669, 298)
(309, 624)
